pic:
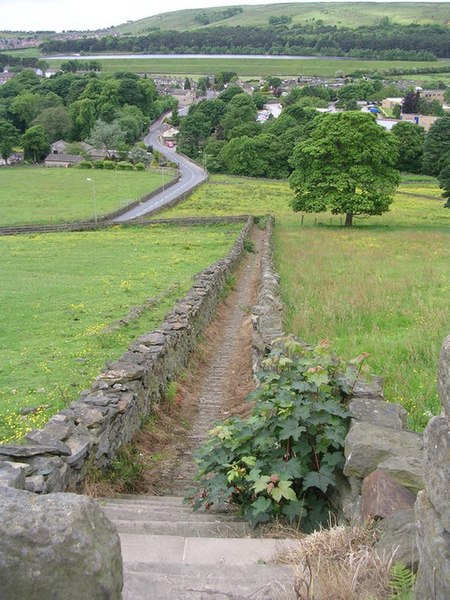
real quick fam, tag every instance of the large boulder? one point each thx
(379, 412)
(57, 546)
(367, 445)
(382, 496)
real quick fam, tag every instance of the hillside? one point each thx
(349, 14)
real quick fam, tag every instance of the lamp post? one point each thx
(94, 197)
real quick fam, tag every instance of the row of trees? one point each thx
(415, 41)
(108, 110)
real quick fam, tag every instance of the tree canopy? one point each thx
(436, 146)
(347, 165)
(411, 138)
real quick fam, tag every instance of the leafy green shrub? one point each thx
(85, 164)
(98, 164)
(261, 221)
(123, 165)
(249, 245)
(139, 166)
(109, 165)
(282, 461)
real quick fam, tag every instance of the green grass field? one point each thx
(249, 67)
(381, 287)
(39, 195)
(343, 14)
(60, 292)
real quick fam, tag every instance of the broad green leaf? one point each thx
(292, 429)
(261, 505)
(261, 484)
(319, 480)
(294, 510)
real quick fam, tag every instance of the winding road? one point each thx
(191, 175)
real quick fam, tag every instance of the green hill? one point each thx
(341, 14)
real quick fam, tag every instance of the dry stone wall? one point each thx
(91, 430)
(266, 315)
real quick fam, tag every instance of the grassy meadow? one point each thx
(382, 287)
(61, 293)
(39, 195)
(248, 67)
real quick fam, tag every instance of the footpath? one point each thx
(173, 553)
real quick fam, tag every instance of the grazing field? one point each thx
(255, 67)
(382, 287)
(62, 292)
(343, 14)
(39, 195)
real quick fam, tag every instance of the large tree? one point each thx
(9, 137)
(106, 136)
(35, 143)
(347, 165)
(411, 138)
(56, 122)
(436, 146)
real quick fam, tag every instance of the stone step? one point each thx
(167, 549)
(207, 582)
(131, 512)
(185, 528)
(160, 504)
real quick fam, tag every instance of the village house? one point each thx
(62, 160)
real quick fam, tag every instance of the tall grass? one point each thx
(382, 292)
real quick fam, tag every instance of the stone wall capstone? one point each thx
(91, 430)
(266, 315)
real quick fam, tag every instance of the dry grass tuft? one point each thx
(340, 564)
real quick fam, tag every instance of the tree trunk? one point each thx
(348, 219)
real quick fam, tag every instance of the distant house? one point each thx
(432, 95)
(62, 160)
(170, 134)
(425, 121)
(389, 103)
(184, 97)
(60, 147)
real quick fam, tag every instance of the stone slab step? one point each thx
(147, 500)
(167, 549)
(131, 512)
(186, 528)
(207, 582)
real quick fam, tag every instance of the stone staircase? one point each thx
(172, 553)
